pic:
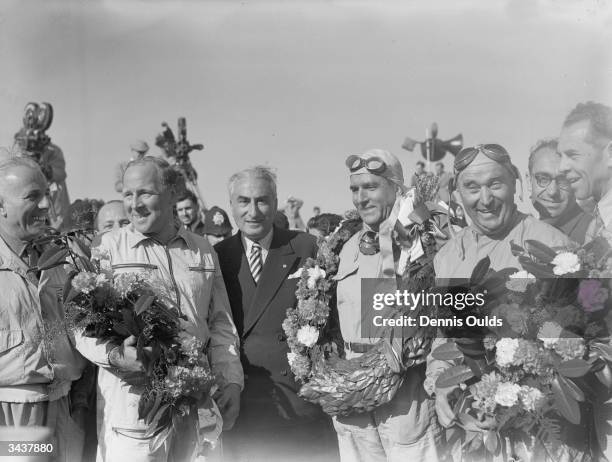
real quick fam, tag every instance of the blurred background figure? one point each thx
(443, 181)
(32, 141)
(111, 215)
(316, 211)
(216, 225)
(551, 192)
(418, 172)
(139, 149)
(292, 211)
(82, 216)
(324, 224)
(188, 212)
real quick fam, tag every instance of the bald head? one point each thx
(24, 204)
(111, 216)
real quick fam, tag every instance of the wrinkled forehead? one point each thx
(364, 179)
(253, 186)
(483, 171)
(21, 177)
(141, 174)
(546, 160)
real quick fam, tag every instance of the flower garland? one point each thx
(361, 384)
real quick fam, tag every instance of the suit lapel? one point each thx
(280, 260)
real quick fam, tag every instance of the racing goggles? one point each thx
(373, 165)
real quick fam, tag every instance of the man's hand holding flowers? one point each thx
(124, 359)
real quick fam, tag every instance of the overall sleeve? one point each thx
(224, 341)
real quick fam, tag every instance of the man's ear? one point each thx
(3, 211)
(529, 185)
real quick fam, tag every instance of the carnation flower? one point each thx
(549, 333)
(314, 274)
(292, 358)
(484, 392)
(519, 281)
(84, 282)
(565, 263)
(507, 394)
(530, 397)
(300, 366)
(505, 350)
(592, 295)
(570, 348)
(307, 335)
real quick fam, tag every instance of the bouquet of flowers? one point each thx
(178, 382)
(316, 354)
(516, 383)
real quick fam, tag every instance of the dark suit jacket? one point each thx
(270, 394)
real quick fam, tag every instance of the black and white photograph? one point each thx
(306, 230)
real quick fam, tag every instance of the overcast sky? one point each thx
(297, 85)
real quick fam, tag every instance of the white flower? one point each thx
(101, 280)
(314, 274)
(530, 397)
(519, 281)
(507, 394)
(307, 335)
(549, 333)
(291, 357)
(566, 262)
(218, 219)
(505, 349)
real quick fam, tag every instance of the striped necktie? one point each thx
(255, 261)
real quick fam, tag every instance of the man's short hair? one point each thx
(600, 118)
(104, 204)
(168, 175)
(258, 171)
(421, 163)
(10, 161)
(545, 143)
(187, 194)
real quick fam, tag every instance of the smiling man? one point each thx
(188, 266)
(485, 179)
(585, 144)
(551, 192)
(111, 215)
(37, 360)
(259, 266)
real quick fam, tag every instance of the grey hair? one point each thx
(549, 143)
(10, 160)
(169, 177)
(259, 171)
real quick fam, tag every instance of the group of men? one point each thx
(237, 293)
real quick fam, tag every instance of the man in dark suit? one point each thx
(260, 267)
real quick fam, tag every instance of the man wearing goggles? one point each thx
(404, 428)
(485, 180)
(551, 192)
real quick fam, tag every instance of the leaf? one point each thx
(601, 414)
(156, 422)
(454, 376)
(121, 329)
(160, 438)
(83, 250)
(51, 257)
(516, 249)
(480, 271)
(574, 368)
(537, 269)
(148, 417)
(447, 352)
(570, 387)
(491, 442)
(143, 303)
(477, 366)
(540, 251)
(68, 293)
(605, 376)
(565, 403)
(604, 350)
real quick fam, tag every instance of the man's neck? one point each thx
(194, 224)
(606, 188)
(16, 245)
(165, 235)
